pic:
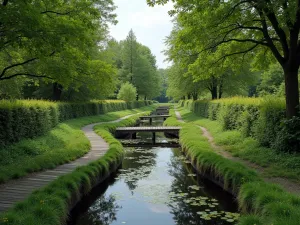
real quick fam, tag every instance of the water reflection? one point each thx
(139, 164)
(102, 212)
(157, 186)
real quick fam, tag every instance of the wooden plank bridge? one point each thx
(151, 117)
(162, 110)
(133, 130)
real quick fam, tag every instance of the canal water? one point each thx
(155, 185)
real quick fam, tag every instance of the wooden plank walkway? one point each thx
(18, 190)
(154, 116)
(147, 129)
(163, 107)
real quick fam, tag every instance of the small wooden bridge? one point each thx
(133, 130)
(150, 118)
(162, 110)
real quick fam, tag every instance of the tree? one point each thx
(127, 92)
(271, 81)
(58, 41)
(129, 56)
(139, 67)
(247, 28)
(164, 86)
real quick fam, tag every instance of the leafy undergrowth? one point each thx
(277, 164)
(62, 144)
(50, 205)
(261, 203)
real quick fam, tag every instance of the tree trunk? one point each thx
(291, 91)
(145, 98)
(195, 96)
(214, 92)
(220, 90)
(137, 97)
(189, 96)
(57, 91)
(213, 88)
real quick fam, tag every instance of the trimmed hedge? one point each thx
(50, 205)
(260, 202)
(262, 119)
(30, 118)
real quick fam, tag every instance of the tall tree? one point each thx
(139, 67)
(53, 40)
(129, 55)
(245, 28)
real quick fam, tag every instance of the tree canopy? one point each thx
(62, 50)
(223, 33)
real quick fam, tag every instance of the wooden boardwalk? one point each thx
(147, 129)
(150, 118)
(162, 110)
(154, 116)
(18, 190)
(133, 130)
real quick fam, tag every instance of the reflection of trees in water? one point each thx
(102, 212)
(183, 212)
(139, 163)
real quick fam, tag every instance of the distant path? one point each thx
(288, 185)
(17, 190)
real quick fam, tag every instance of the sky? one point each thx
(150, 25)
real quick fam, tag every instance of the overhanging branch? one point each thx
(25, 74)
(15, 65)
(237, 53)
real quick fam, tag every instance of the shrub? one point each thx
(30, 118)
(288, 137)
(260, 202)
(263, 119)
(127, 92)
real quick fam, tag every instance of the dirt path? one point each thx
(288, 185)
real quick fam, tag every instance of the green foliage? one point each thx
(137, 65)
(262, 203)
(31, 118)
(162, 73)
(271, 81)
(262, 119)
(57, 41)
(268, 124)
(50, 205)
(277, 163)
(127, 92)
(60, 145)
(212, 37)
(288, 137)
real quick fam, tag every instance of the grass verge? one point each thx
(62, 144)
(50, 205)
(261, 203)
(276, 164)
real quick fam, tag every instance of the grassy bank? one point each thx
(60, 145)
(276, 163)
(50, 205)
(261, 202)
(261, 119)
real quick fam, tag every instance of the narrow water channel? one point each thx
(156, 185)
